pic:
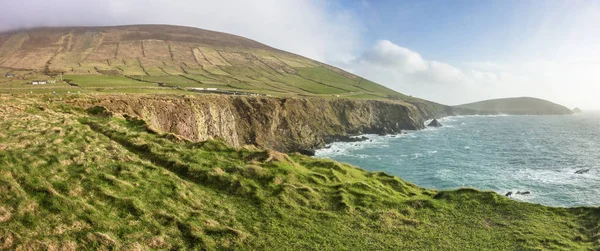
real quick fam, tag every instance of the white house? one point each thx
(39, 82)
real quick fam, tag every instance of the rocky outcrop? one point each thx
(283, 124)
(434, 123)
(577, 110)
(343, 138)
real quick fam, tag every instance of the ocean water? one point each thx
(539, 154)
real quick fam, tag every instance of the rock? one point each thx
(281, 124)
(434, 123)
(307, 152)
(577, 110)
(508, 194)
(523, 193)
(343, 138)
(582, 171)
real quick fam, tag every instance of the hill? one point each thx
(519, 106)
(140, 56)
(73, 178)
(81, 169)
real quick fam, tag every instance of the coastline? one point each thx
(524, 171)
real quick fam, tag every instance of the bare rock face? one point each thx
(283, 124)
(434, 123)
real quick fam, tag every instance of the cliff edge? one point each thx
(282, 124)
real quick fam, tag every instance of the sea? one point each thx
(537, 154)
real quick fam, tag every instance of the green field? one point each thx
(305, 81)
(78, 179)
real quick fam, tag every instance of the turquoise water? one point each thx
(539, 154)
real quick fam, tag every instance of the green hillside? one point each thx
(519, 106)
(137, 58)
(76, 179)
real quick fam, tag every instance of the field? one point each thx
(311, 81)
(87, 179)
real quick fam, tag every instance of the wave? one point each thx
(480, 116)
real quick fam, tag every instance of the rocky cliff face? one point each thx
(283, 124)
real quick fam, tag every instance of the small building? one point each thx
(211, 89)
(51, 81)
(9, 75)
(39, 82)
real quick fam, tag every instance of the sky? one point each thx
(451, 52)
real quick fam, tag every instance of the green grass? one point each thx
(312, 80)
(86, 180)
(172, 80)
(97, 81)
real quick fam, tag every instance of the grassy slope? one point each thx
(523, 105)
(98, 59)
(312, 81)
(70, 179)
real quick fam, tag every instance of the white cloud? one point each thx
(386, 54)
(387, 58)
(572, 83)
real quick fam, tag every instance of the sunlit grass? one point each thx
(77, 179)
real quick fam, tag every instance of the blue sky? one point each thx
(463, 30)
(529, 48)
(449, 51)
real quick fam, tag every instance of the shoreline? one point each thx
(360, 154)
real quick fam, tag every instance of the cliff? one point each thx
(283, 124)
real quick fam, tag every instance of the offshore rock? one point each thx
(434, 123)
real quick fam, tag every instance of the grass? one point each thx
(293, 78)
(93, 81)
(77, 179)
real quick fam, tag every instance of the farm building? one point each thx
(9, 75)
(39, 82)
